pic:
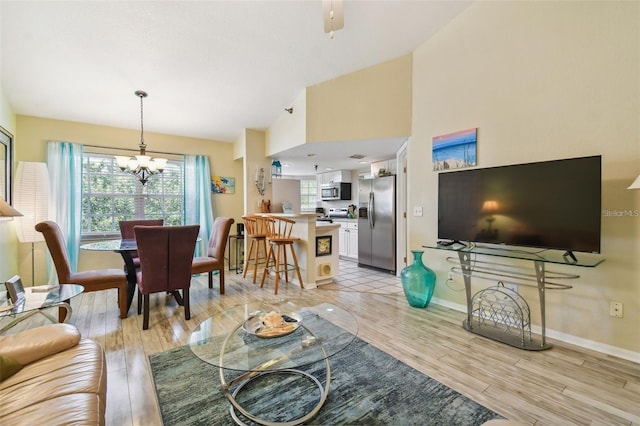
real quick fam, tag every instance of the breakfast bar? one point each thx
(317, 249)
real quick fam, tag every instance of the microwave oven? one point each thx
(336, 191)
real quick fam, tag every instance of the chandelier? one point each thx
(142, 166)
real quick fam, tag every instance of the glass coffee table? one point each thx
(252, 358)
(35, 300)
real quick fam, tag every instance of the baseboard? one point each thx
(563, 337)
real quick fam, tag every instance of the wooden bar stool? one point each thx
(279, 238)
(256, 233)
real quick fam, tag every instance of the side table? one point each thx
(36, 300)
(238, 260)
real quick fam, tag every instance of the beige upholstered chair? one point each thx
(165, 253)
(278, 240)
(214, 260)
(95, 280)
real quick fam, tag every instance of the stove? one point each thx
(324, 219)
(338, 212)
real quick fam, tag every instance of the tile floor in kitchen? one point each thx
(364, 280)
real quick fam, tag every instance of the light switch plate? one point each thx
(417, 211)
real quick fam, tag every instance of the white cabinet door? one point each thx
(343, 241)
(352, 250)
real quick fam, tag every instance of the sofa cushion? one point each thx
(76, 409)
(36, 343)
(8, 367)
(73, 372)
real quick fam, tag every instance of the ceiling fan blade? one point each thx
(338, 15)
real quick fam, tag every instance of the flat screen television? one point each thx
(549, 204)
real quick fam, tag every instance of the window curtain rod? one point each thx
(132, 150)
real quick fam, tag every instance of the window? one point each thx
(109, 195)
(308, 194)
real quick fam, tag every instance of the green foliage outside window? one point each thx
(110, 195)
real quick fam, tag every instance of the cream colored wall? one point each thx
(372, 103)
(289, 130)
(254, 157)
(31, 144)
(541, 81)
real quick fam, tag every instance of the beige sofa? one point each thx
(60, 378)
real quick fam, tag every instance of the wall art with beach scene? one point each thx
(455, 150)
(223, 185)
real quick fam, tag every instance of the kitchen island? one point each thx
(317, 250)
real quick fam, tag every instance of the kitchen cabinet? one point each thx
(390, 166)
(335, 176)
(348, 240)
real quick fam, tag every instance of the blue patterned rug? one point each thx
(368, 387)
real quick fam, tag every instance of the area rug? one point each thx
(368, 387)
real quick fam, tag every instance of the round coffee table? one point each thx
(232, 341)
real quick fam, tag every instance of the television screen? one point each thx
(550, 204)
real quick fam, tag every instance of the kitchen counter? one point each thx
(315, 269)
(327, 225)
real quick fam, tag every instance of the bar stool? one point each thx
(279, 238)
(256, 233)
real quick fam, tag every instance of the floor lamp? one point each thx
(31, 194)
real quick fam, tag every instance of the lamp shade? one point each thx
(32, 199)
(635, 184)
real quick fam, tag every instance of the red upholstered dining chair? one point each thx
(94, 280)
(214, 260)
(165, 255)
(126, 232)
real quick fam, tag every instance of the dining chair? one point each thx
(126, 232)
(166, 253)
(214, 260)
(256, 234)
(278, 236)
(93, 280)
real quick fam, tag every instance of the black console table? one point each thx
(467, 265)
(236, 263)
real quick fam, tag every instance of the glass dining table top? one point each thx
(117, 245)
(233, 338)
(111, 245)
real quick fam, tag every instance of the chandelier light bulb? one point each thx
(161, 163)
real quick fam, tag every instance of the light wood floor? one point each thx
(564, 385)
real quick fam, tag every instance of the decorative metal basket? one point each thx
(503, 310)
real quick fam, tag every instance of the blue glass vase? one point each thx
(418, 282)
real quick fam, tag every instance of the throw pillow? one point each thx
(8, 367)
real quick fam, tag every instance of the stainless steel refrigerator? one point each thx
(377, 223)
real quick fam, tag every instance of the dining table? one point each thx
(126, 248)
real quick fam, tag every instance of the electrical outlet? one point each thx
(417, 211)
(512, 287)
(615, 309)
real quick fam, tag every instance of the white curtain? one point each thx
(197, 198)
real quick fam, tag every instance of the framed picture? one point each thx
(323, 245)
(455, 150)
(6, 162)
(15, 289)
(223, 185)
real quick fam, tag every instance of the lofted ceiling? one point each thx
(211, 68)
